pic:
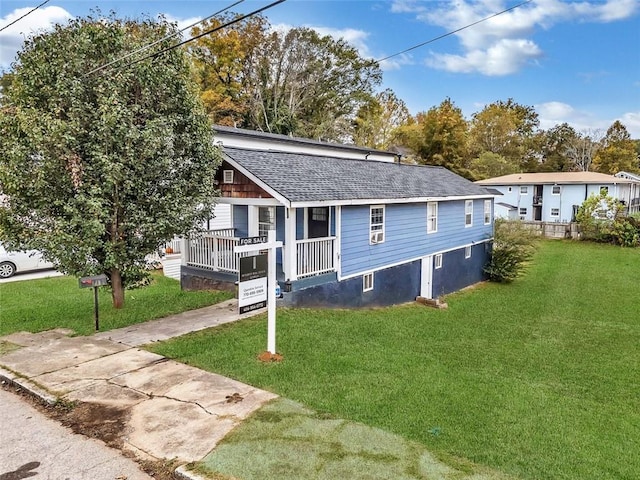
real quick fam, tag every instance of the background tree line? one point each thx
(300, 83)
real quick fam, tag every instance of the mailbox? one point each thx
(94, 281)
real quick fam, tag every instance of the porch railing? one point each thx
(315, 256)
(213, 251)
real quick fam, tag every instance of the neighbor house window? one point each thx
(555, 190)
(604, 190)
(437, 261)
(468, 213)
(523, 211)
(367, 282)
(467, 251)
(524, 190)
(555, 212)
(432, 217)
(487, 212)
(227, 176)
(266, 220)
(376, 225)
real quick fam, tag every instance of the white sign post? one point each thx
(251, 245)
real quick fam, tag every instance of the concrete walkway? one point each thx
(172, 410)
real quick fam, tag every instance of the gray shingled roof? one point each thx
(309, 178)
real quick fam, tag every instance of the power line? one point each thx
(215, 29)
(146, 47)
(29, 12)
(454, 31)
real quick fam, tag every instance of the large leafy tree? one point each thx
(618, 152)
(582, 148)
(378, 119)
(506, 129)
(100, 169)
(291, 82)
(443, 137)
(555, 147)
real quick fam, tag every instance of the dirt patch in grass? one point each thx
(103, 422)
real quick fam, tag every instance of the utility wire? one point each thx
(146, 47)
(454, 31)
(29, 12)
(215, 29)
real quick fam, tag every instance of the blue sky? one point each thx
(573, 61)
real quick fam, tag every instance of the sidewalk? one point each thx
(171, 410)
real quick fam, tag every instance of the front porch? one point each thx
(213, 251)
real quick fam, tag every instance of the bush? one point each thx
(601, 219)
(513, 247)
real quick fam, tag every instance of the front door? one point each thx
(426, 278)
(318, 222)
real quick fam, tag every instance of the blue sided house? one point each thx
(358, 227)
(557, 196)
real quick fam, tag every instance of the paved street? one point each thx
(33, 445)
(18, 277)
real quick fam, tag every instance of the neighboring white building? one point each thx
(556, 196)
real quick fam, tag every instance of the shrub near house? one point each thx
(601, 220)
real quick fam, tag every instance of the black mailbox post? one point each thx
(95, 282)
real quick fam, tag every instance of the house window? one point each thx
(555, 212)
(604, 190)
(437, 260)
(319, 214)
(523, 211)
(524, 190)
(468, 213)
(432, 217)
(487, 212)
(367, 282)
(266, 220)
(227, 176)
(467, 251)
(376, 225)
(555, 190)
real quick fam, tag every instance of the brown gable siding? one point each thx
(242, 186)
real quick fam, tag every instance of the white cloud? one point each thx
(555, 113)
(631, 120)
(504, 38)
(12, 38)
(502, 58)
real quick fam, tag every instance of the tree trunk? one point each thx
(117, 291)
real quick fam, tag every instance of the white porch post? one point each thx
(184, 250)
(289, 254)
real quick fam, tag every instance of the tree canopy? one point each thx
(100, 169)
(290, 82)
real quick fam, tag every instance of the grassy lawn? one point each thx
(47, 303)
(539, 379)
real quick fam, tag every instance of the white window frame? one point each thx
(227, 176)
(437, 261)
(264, 227)
(432, 217)
(557, 212)
(367, 282)
(487, 212)
(553, 188)
(524, 190)
(467, 251)
(376, 229)
(468, 213)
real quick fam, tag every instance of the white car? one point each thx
(13, 262)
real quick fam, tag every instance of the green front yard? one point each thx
(47, 303)
(539, 379)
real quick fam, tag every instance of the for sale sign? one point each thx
(252, 287)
